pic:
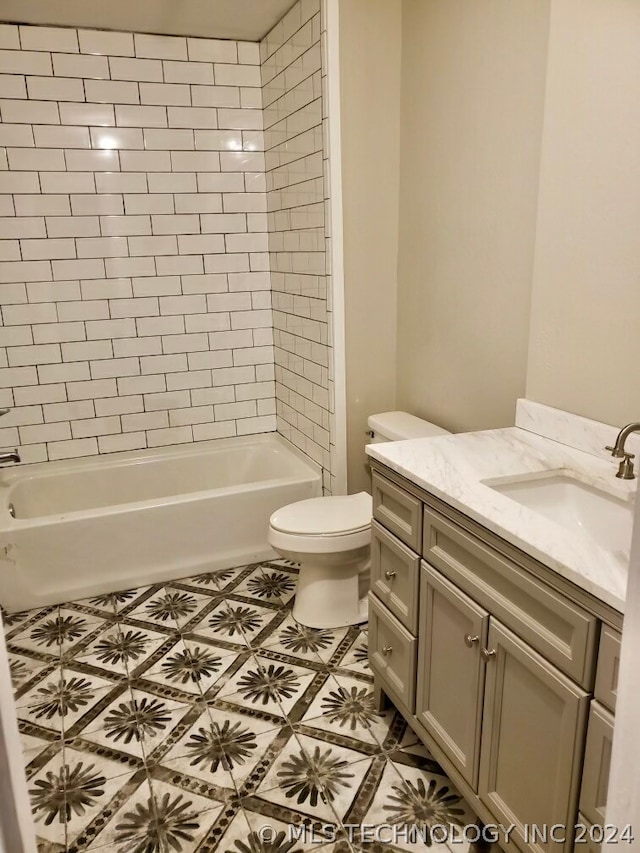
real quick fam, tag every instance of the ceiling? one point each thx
(245, 20)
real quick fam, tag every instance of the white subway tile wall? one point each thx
(134, 278)
(298, 229)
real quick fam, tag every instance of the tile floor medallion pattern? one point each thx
(189, 716)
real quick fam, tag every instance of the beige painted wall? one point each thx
(370, 48)
(473, 78)
(584, 352)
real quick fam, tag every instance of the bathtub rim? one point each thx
(9, 477)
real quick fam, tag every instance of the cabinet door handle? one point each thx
(487, 654)
(389, 575)
(386, 650)
(469, 640)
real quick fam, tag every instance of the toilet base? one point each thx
(330, 596)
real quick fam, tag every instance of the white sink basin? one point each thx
(562, 498)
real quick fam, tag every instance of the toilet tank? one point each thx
(398, 426)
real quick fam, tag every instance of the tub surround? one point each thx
(454, 467)
(134, 271)
(157, 192)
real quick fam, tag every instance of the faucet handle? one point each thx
(616, 451)
(625, 469)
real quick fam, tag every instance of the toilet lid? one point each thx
(325, 516)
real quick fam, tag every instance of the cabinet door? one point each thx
(453, 630)
(532, 740)
(597, 761)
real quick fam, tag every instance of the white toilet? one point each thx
(331, 539)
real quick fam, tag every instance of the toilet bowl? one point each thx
(330, 538)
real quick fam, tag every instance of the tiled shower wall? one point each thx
(295, 145)
(134, 267)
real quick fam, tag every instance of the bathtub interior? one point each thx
(65, 554)
(154, 477)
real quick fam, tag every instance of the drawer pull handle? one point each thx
(469, 640)
(386, 650)
(389, 575)
(487, 654)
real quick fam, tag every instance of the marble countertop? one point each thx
(452, 467)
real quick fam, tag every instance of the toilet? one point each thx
(330, 537)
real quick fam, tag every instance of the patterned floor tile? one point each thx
(230, 833)
(33, 746)
(221, 579)
(107, 651)
(24, 669)
(303, 834)
(410, 801)
(173, 804)
(240, 741)
(208, 753)
(116, 602)
(315, 645)
(191, 667)
(167, 607)
(355, 659)
(136, 722)
(42, 756)
(199, 715)
(47, 795)
(316, 778)
(255, 620)
(12, 621)
(29, 692)
(61, 700)
(137, 647)
(268, 685)
(114, 829)
(345, 708)
(57, 633)
(225, 623)
(267, 584)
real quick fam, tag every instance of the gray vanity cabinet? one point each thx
(492, 660)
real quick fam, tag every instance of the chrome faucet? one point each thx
(625, 469)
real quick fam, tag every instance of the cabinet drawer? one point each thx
(392, 652)
(597, 760)
(561, 631)
(394, 576)
(606, 689)
(397, 510)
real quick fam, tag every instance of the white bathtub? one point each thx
(90, 526)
